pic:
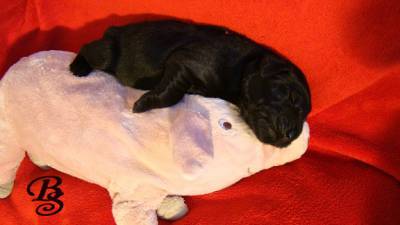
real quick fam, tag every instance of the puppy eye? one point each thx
(224, 124)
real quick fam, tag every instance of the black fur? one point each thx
(171, 58)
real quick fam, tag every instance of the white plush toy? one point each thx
(84, 127)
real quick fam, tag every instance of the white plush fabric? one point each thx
(84, 127)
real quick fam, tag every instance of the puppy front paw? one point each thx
(147, 102)
(80, 67)
(5, 189)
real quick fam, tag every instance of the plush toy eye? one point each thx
(224, 124)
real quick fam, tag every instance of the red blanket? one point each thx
(350, 53)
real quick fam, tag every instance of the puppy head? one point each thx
(275, 101)
(100, 54)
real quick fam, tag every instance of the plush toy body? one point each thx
(84, 127)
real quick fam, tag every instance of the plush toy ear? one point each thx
(191, 140)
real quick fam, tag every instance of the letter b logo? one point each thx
(50, 193)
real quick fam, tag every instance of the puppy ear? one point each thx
(100, 54)
(272, 66)
(191, 140)
(283, 72)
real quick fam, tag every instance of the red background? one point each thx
(350, 53)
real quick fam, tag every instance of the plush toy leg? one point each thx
(172, 208)
(38, 162)
(127, 212)
(137, 206)
(5, 189)
(11, 154)
(10, 158)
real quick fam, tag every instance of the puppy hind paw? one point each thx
(138, 108)
(145, 103)
(79, 67)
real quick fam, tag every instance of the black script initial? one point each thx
(49, 193)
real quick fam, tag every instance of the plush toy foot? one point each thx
(5, 189)
(45, 167)
(38, 163)
(172, 208)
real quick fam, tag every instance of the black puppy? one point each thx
(171, 58)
